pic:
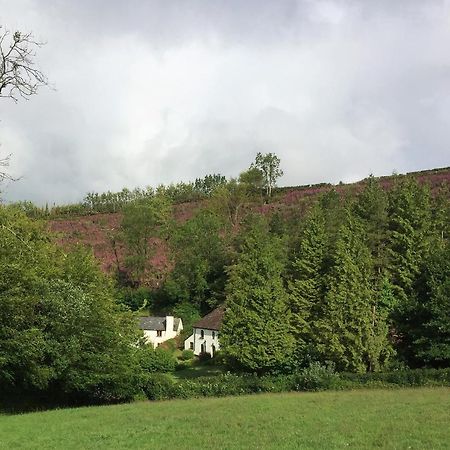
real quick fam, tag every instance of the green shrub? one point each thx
(159, 386)
(316, 377)
(416, 377)
(156, 360)
(186, 355)
(170, 345)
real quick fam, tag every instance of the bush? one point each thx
(416, 377)
(316, 377)
(186, 355)
(204, 356)
(156, 360)
(159, 386)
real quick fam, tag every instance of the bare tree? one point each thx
(4, 162)
(19, 78)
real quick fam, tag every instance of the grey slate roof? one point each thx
(156, 323)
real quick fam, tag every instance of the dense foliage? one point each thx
(256, 332)
(313, 378)
(367, 284)
(359, 280)
(60, 330)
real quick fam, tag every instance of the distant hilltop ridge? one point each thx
(96, 229)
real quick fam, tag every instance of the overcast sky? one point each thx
(150, 92)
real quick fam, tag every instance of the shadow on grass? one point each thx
(200, 369)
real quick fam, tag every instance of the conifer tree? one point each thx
(306, 288)
(425, 328)
(371, 207)
(409, 236)
(441, 215)
(256, 331)
(347, 331)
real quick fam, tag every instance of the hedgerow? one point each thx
(160, 386)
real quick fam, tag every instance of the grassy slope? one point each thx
(407, 418)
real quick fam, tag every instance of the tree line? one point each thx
(358, 280)
(361, 282)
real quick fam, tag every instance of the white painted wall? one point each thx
(151, 336)
(195, 341)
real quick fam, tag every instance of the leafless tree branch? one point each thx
(5, 176)
(19, 78)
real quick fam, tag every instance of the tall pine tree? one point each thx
(371, 206)
(306, 287)
(256, 331)
(409, 235)
(349, 330)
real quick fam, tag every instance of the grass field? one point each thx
(390, 419)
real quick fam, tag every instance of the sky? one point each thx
(150, 92)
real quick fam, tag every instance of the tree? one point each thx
(18, 76)
(229, 201)
(143, 219)
(209, 183)
(409, 235)
(306, 288)
(256, 332)
(425, 329)
(253, 180)
(371, 207)
(350, 333)
(200, 257)
(269, 165)
(61, 331)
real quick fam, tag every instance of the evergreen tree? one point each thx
(409, 236)
(441, 215)
(425, 328)
(371, 207)
(348, 331)
(306, 287)
(256, 331)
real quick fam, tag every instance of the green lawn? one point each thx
(394, 419)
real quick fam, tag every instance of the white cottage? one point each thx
(159, 329)
(205, 336)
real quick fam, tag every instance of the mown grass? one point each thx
(390, 419)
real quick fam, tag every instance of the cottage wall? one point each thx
(209, 343)
(151, 336)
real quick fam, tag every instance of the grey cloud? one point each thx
(150, 91)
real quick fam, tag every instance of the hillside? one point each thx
(97, 230)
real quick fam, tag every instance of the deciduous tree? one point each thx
(269, 165)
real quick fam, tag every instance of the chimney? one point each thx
(169, 325)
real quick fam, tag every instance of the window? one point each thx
(159, 333)
(191, 345)
(202, 334)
